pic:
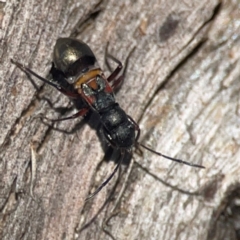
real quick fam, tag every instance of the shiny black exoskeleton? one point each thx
(76, 73)
(76, 65)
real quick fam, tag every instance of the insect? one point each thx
(76, 74)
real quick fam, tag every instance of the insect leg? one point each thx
(116, 71)
(59, 88)
(80, 113)
(117, 82)
(137, 128)
(108, 179)
(158, 153)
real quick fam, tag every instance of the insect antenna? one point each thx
(108, 179)
(167, 157)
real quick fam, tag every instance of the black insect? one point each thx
(77, 75)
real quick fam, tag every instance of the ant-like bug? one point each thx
(76, 74)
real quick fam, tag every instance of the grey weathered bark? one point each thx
(182, 87)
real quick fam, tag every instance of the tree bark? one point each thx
(182, 87)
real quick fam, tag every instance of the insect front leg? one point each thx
(117, 82)
(57, 86)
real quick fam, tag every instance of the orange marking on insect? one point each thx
(93, 84)
(86, 77)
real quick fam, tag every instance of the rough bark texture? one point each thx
(182, 86)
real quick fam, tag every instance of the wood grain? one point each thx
(182, 87)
